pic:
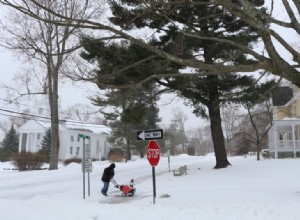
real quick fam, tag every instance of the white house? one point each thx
(33, 131)
(284, 136)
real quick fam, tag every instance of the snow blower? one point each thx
(127, 190)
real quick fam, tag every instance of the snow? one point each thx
(76, 125)
(247, 190)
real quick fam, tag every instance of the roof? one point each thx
(282, 95)
(77, 126)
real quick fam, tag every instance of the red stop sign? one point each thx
(153, 153)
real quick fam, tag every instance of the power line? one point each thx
(15, 116)
(63, 113)
(22, 113)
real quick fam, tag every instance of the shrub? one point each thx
(191, 151)
(4, 155)
(103, 158)
(116, 155)
(45, 154)
(282, 155)
(72, 160)
(242, 151)
(28, 161)
(265, 153)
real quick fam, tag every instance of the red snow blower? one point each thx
(127, 190)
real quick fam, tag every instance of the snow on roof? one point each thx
(45, 123)
(77, 125)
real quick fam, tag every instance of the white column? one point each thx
(275, 141)
(20, 142)
(294, 141)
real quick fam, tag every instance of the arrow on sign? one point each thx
(141, 136)
(150, 135)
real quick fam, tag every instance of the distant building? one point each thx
(33, 131)
(284, 136)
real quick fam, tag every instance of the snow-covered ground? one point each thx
(247, 190)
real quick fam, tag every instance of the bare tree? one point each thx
(16, 117)
(230, 122)
(178, 120)
(4, 126)
(206, 143)
(47, 44)
(83, 112)
(257, 124)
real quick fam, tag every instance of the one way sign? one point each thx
(150, 135)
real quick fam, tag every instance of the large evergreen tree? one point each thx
(178, 25)
(11, 141)
(134, 106)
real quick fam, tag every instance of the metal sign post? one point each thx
(86, 161)
(153, 150)
(154, 184)
(168, 146)
(153, 156)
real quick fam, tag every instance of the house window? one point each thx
(38, 136)
(98, 147)
(78, 138)
(77, 151)
(71, 150)
(105, 148)
(72, 138)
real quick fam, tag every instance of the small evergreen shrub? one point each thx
(116, 155)
(46, 143)
(4, 155)
(28, 161)
(72, 160)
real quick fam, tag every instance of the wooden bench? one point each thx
(180, 171)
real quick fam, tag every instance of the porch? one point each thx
(284, 138)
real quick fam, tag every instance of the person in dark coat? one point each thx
(107, 175)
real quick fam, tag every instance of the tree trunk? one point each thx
(53, 102)
(215, 124)
(214, 112)
(258, 151)
(128, 152)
